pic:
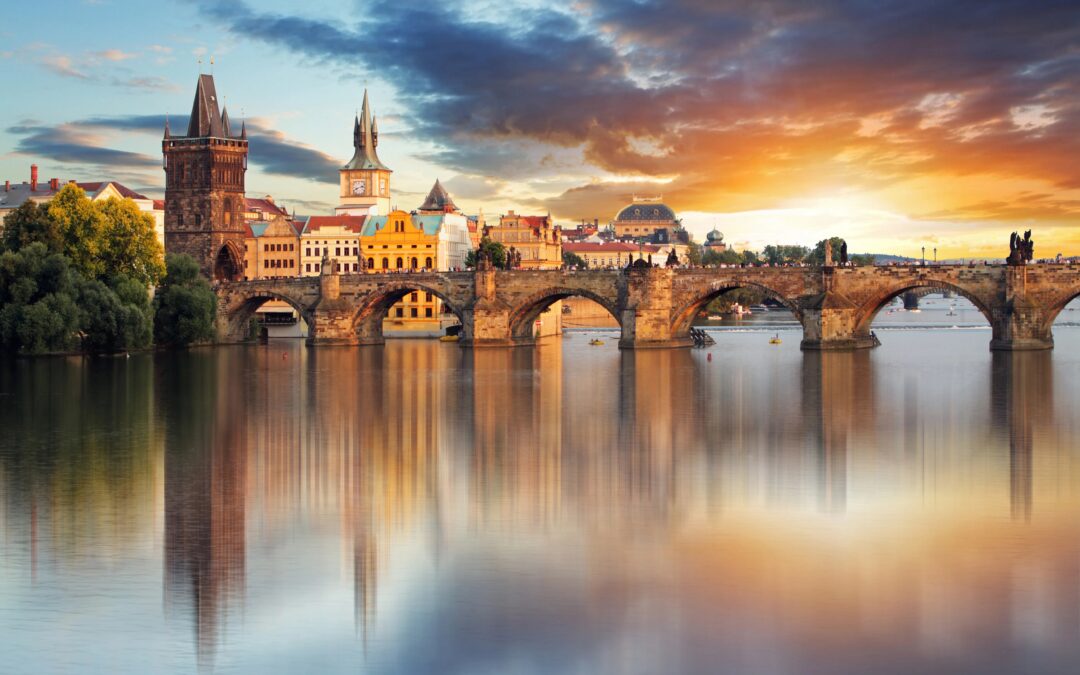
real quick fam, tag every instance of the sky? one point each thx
(897, 124)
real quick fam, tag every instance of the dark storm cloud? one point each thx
(85, 142)
(699, 78)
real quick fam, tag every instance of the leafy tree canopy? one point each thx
(571, 259)
(185, 305)
(495, 250)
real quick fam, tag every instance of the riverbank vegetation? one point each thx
(77, 275)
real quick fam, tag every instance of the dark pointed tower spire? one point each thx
(166, 126)
(205, 118)
(226, 129)
(364, 139)
(243, 128)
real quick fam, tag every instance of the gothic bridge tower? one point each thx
(204, 188)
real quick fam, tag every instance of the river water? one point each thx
(419, 508)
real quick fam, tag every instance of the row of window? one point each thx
(355, 267)
(279, 263)
(279, 247)
(414, 313)
(337, 251)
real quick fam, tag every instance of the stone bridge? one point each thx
(655, 306)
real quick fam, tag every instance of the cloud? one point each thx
(740, 105)
(146, 83)
(114, 55)
(87, 141)
(63, 66)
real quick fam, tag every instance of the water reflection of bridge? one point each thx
(438, 442)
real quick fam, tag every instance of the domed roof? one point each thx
(715, 235)
(645, 211)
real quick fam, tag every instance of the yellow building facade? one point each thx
(402, 242)
(336, 237)
(536, 238)
(271, 249)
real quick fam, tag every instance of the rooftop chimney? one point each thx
(7, 186)
(54, 184)
(33, 177)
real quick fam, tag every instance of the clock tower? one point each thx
(365, 181)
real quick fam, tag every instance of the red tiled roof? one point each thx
(265, 205)
(159, 204)
(608, 247)
(122, 189)
(352, 223)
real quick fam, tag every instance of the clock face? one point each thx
(358, 186)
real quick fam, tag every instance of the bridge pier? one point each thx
(1020, 326)
(646, 318)
(834, 329)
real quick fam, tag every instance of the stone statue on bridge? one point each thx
(673, 258)
(1021, 251)
(843, 254)
(828, 253)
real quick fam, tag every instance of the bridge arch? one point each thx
(1056, 306)
(869, 309)
(373, 308)
(239, 310)
(526, 311)
(683, 315)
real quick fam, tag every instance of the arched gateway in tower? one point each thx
(204, 188)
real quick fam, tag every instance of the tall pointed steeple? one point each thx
(364, 141)
(205, 118)
(225, 128)
(243, 128)
(166, 126)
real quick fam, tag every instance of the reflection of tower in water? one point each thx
(1022, 398)
(517, 459)
(837, 390)
(205, 482)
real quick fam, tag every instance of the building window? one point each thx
(179, 219)
(307, 267)
(337, 251)
(318, 267)
(415, 297)
(414, 264)
(427, 296)
(400, 311)
(386, 263)
(307, 252)
(427, 262)
(356, 250)
(371, 263)
(427, 312)
(414, 313)
(198, 219)
(400, 263)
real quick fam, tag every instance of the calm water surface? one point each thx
(418, 508)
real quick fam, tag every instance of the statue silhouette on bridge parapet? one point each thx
(1021, 251)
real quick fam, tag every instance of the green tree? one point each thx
(750, 257)
(817, 256)
(725, 257)
(184, 305)
(81, 225)
(29, 223)
(571, 259)
(695, 253)
(863, 260)
(129, 245)
(115, 318)
(494, 249)
(784, 254)
(39, 312)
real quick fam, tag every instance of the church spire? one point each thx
(365, 138)
(226, 130)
